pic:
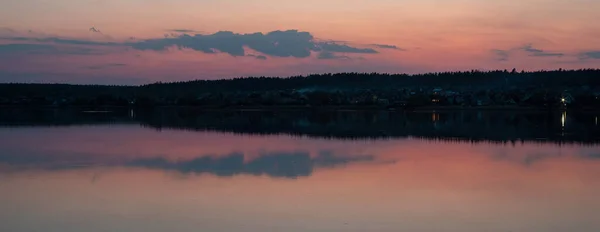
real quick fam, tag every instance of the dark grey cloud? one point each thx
(504, 55)
(260, 57)
(278, 43)
(57, 40)
(44, 49)
(327, 55)
(541, 53)
(291, 43)
(590, 55)
(343, 48)
(104, 66)
(95, 30)
(386, 46)
(183, 31)
(501, 55)
(53, 46)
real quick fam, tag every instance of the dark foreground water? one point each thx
(68, 170)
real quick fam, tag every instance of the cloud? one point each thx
(505, 54)
(44, 49)
(58, 40)
(501, 55)
(93, 29)
(540, 53)
(260, 57)
(183, 31)
(7, 30)
(326, 55)
(104, 66)
(36, 45)
(388, 46)
(335, 47)
(291, 43)
(590, 55)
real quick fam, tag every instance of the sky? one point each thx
(145, 41)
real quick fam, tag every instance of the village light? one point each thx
(563, 100)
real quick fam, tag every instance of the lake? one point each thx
(296, 171)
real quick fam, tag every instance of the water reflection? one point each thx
(274, 164)
(563, 119)
(289, 165)
(106, 173)
(491, 126)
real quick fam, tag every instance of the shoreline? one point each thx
(325, 108)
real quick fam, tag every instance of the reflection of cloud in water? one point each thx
(274, 164)
(591, 156)
(532, 158)
(527, 159)
(280, 164)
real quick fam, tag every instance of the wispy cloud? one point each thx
(290, 43)
(326, 55)
(501, 55)
(104, 66)
(386, 46)
(260, 57)
(343, 48)
(95, 30)
(590, 55)
(529, 49)
(44, 49)
(541, 53)
(58, 40)
(183, 31)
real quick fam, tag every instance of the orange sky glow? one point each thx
(428, 36)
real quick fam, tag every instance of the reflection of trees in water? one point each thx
(449, 126)
(470, 126)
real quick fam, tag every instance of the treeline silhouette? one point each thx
(469, 79)
(452, 126)
(501, 87)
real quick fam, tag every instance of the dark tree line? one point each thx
(499, 87)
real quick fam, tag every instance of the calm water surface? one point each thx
(128, 176)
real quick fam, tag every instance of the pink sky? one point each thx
(433, 35)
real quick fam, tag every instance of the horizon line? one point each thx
(308, 75)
